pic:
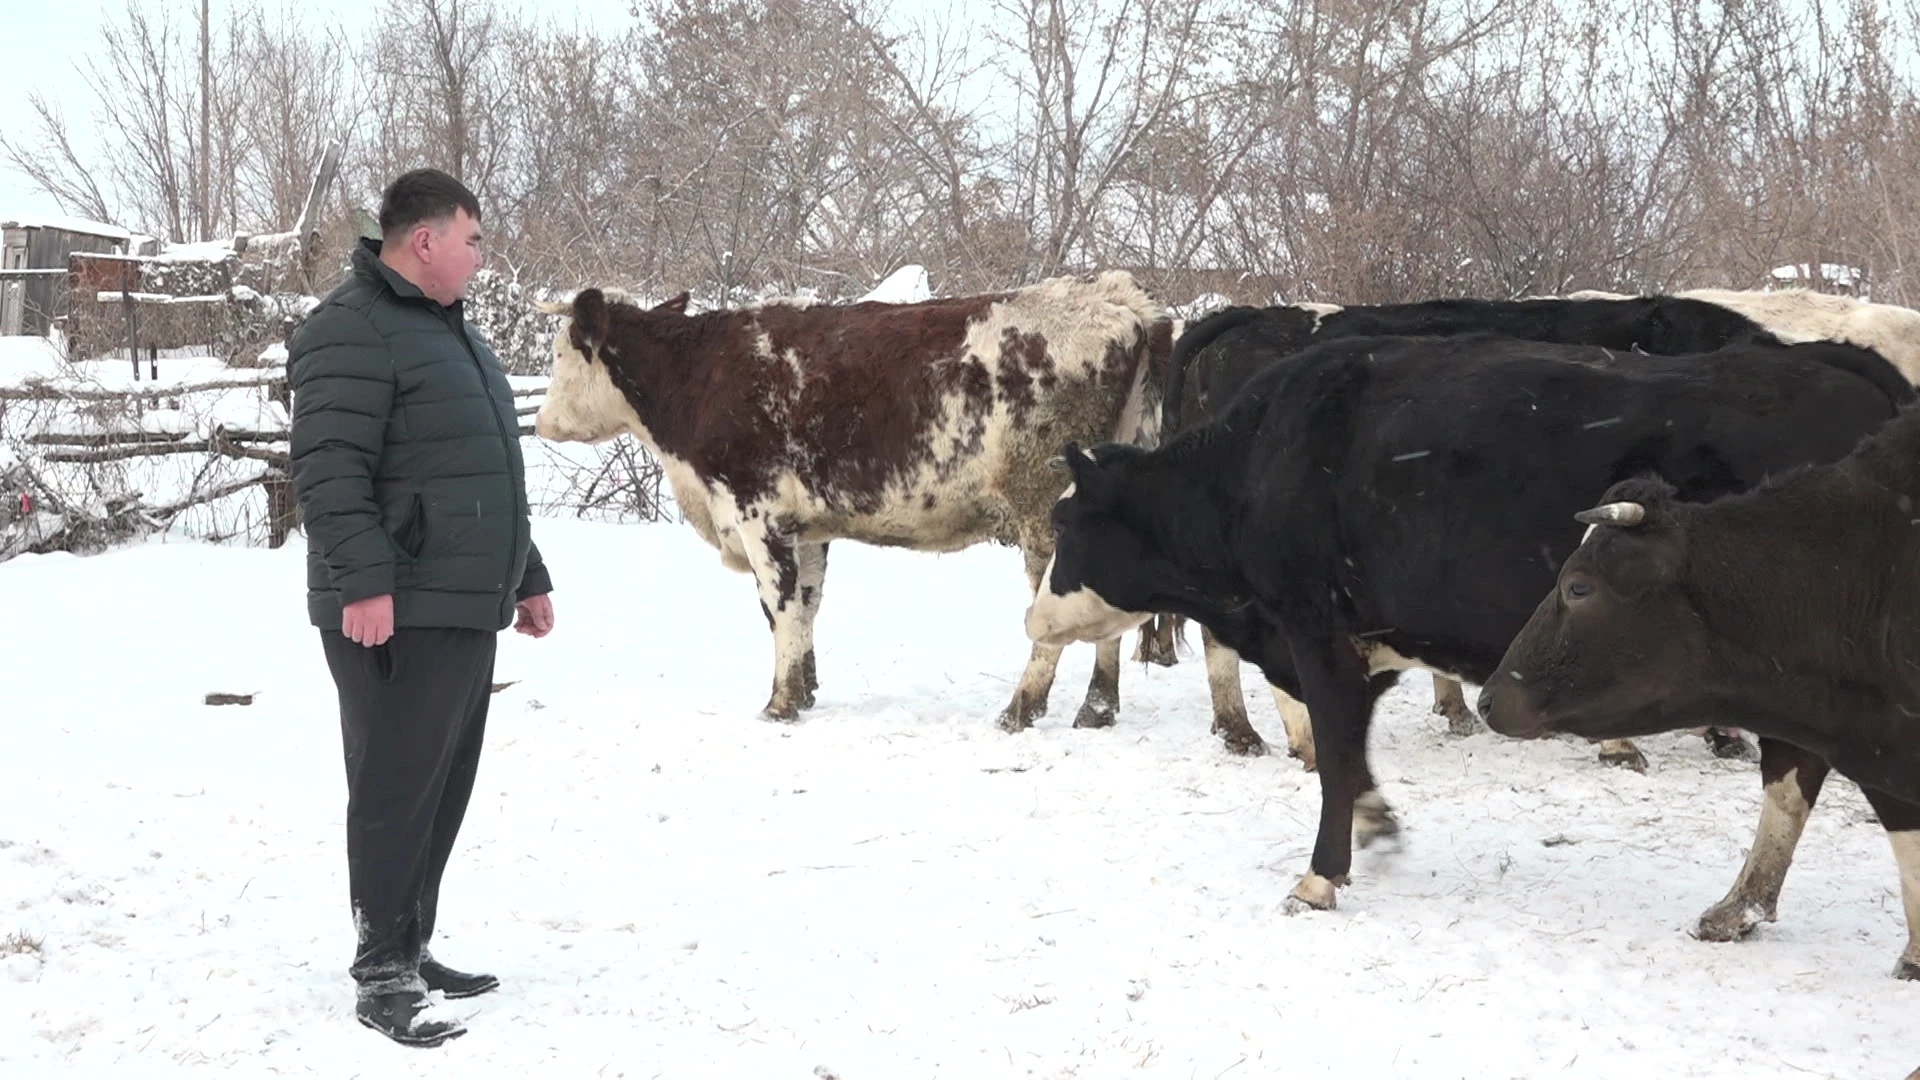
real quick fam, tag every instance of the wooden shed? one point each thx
(33, 266)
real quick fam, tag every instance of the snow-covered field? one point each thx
(670, 887)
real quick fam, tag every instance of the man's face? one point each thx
(451, 252)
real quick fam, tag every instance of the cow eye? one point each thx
(1579, 590)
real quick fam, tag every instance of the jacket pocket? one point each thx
(412, 534)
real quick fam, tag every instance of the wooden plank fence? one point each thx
(220, 440)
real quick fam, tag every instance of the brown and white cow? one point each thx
(785, 426)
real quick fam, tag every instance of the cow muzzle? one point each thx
(1507, 707)
(553, 429)
(1081, 615)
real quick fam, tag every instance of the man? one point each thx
(406, 464)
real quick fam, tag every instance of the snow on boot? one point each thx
(409, 1017)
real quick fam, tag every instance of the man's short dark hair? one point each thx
(423, 195)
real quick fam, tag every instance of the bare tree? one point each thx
(51, 162)
(298, 103)
(575, 194)
(1094, 86)
(956, 210)
(169, 117)
(767, 150)
(434, 92)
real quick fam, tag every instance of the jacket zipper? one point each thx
(513, 497)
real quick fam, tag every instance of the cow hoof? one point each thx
(1022, 712)
(1630, 758)
(1013, 722)
(1314, 893)
(1094, 717)
(1245, 742)
(1373, 819)
(1308, 762)
(1908, 969)
(1460, 721)
(1729, 745)
(1730, 921)
(786, 702)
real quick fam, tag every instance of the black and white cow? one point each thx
(1204, 376)
(1794, 606)
(783, 427)
(1369, 504)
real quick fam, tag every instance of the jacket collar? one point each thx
(366, 263)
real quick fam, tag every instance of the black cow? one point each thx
(1212, 361)
(1794, 607)
(1372, 503)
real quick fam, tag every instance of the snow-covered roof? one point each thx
(906, 285)
(196, 251)
(1835, 273)
(1200, 305)
(66, 224)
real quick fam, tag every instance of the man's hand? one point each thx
(536, 615)
(370, 621)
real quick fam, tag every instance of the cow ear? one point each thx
(674, 305)
(1090, 480)
(592, 319)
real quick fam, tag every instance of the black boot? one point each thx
(398, 1017)
(454, 984)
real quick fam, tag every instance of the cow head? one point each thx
(1617, 649)
(1098, 583)
(586, 398)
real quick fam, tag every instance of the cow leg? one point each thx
(1145, 645)
(1451, 702)
(1103, 690)
(1622, 753)
(1229, 705)
(776, 565)
(1792, 779)
(1339, 703)
(1299, 727)
(1036, 682)
(811, 561)
(1902, 822)
(1157, 638)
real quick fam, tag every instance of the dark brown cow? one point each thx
(1794, 606)
(929, 426)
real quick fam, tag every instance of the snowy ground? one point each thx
(668, 886)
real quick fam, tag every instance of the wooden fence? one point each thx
(113, 430)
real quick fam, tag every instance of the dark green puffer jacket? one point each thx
(406, 459)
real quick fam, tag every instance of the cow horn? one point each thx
(1613, 513)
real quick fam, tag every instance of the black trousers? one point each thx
(413, 713)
